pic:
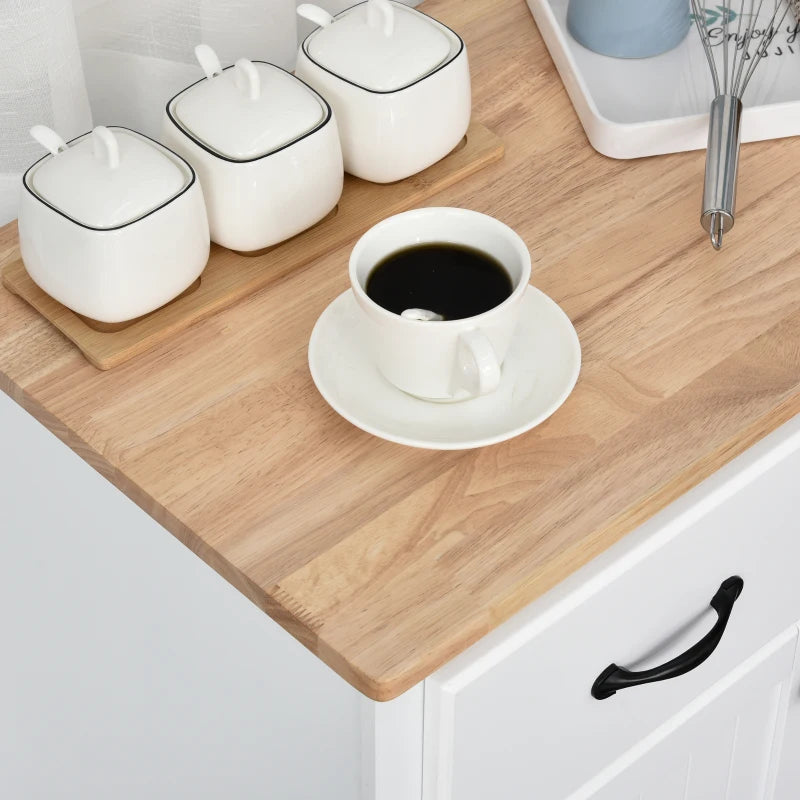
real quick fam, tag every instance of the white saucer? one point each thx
(539, 373)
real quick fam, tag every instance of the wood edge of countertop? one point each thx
(385, 687)
(373, 687)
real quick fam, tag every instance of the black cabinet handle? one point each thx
(614, 678)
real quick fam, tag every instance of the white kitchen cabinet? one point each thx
(131, 669)
(725, 745)
(515, 714)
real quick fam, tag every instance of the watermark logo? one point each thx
(718, 15)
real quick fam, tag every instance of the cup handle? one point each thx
(477, 365)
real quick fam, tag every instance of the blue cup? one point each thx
(629, 28)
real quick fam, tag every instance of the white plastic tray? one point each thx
(644, 107)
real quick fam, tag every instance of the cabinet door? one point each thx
(724, 746)
(514, 716)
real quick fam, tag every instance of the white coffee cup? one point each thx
(441, 360)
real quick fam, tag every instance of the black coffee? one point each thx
(449, 279)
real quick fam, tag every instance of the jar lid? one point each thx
(248, 110)
(378, 45)
(106, 178)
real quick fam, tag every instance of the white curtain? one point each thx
(41, 80)
(73, 63)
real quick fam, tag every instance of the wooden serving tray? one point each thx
(230, 276)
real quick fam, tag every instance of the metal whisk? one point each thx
(732, 61)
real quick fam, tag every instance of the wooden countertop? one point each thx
(387, 561)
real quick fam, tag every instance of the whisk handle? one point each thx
(722, 166)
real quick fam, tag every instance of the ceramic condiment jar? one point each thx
(398, 81)
(265, 146)
(113, 224)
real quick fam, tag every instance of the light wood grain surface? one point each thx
(387, 561)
